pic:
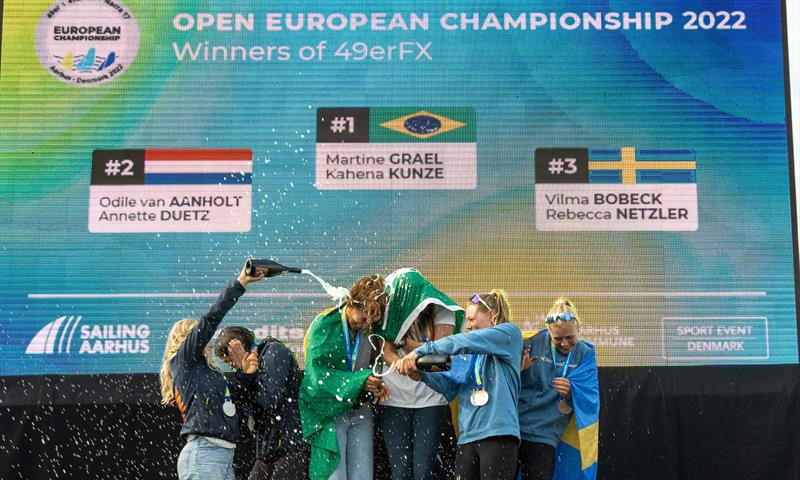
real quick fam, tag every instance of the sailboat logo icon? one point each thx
(87, 62)
(55, 337)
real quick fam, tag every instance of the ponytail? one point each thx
(177, 334)
(497, 300)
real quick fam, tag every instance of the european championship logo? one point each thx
(87, 43)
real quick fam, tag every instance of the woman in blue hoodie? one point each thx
(487, 403)
(192, 381)
(546, 396)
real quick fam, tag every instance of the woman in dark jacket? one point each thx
(267, 384)
(191, 380)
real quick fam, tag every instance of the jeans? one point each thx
(412, 437)
(202, 460)
(354, 436)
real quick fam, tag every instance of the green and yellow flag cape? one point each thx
(328, 390)
(409, 294)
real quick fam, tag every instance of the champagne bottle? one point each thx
(427, 363)
(254, 266)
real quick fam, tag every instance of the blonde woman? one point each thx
(546, 399)
(487, 402)
(191, 380)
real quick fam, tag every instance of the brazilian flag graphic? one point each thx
(422, 125)
(396, 125)
(396, 148)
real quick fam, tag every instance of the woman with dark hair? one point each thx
(487, 403)
(267, 383)
(415, 419)
(338, 385)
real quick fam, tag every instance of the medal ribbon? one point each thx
(566, 362)
(478, 368)
(350, 354)
(227, 393)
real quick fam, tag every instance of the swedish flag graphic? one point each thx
(629, 165)
(616, 189)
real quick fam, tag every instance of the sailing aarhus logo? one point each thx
(87, 42)
(66, 335)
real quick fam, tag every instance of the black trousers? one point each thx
(493, 458)
(292, 466)
(536, 460)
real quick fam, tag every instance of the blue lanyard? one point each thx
(478, 369)
(350, 354)
(566, 362)
(227, 393)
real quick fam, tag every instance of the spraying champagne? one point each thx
(337, 294)
(254, 266)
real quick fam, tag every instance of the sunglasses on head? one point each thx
(477, 299)
(563, 316)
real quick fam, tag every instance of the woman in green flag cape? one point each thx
(409, 294)
(335, 394)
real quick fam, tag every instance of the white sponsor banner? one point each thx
(715, 338)
(604, 207)
(397, 166)
(169, 208)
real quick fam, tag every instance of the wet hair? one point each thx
(423, 325)
(227, 334)
(497, 300)
(562, 304)
(177, 334)
(369, 295)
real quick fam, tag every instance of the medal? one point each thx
(228, 407)
(479, 397)
(251, 423)
(564, 408)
